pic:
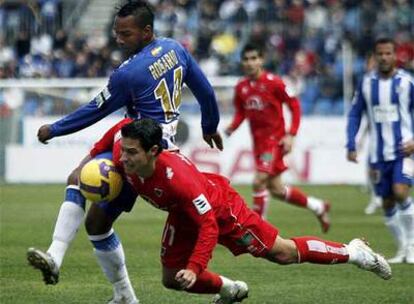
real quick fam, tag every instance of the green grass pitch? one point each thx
(28, 213)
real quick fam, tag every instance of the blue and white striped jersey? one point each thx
(389, 106)
(149, 85)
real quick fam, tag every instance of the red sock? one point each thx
(260, 202)
(314, 250)
(296, 197)
(207, 282)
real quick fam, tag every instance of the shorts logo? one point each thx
(266, 157)
(201, 203)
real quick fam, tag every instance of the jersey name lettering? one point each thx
(163, 65)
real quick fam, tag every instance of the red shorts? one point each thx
(245, 232)
(268, 156)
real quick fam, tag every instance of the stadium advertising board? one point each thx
(318, 156)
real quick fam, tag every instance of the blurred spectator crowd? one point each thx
(303, 40)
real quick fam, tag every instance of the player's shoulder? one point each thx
(173, 167)
(404, 74)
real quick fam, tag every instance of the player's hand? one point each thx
(352, 156)
(44, 134)
(228, 131)
(287, 143)
(214, 140)
(186, 278)
(408, 148)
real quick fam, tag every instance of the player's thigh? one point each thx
(178, 241)
(250, 234)
(381, 176)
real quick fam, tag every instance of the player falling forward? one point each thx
(259, 98)
(203, 210)
(149, 84)
(386, 96)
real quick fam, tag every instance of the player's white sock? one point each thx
(315, 204)
(227, 286)
(392, 221)
(406, 213)
(111, 258)
(69, 219)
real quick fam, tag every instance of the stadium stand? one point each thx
(304, 40)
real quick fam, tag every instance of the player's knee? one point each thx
(170, 283)
(259, 184)
(277, 190)
(400, 193)
(283, 252)
(96, 224)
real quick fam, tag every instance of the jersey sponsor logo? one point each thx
(103, 96)
(201, 203)
(254, 103)
(385, 113)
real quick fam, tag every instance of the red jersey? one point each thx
(110, 142)
(204, 199)
(260, 101)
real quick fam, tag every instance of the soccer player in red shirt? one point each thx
(259, 98)
(203, 210)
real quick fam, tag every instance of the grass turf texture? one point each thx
(28, 213)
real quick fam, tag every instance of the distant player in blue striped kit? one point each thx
(149, 85)
(386, 97)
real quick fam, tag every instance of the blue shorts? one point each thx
(385, 174)
(124, 201)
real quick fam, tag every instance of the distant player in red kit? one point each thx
(203, 210)
(258, 98)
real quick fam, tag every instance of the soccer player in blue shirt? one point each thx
(149, 85)
(386, 97)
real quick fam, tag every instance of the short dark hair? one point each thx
(249, 47)
(383, 40)
(147, 131)
(141, 11)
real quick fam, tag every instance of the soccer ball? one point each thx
(100, 180)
